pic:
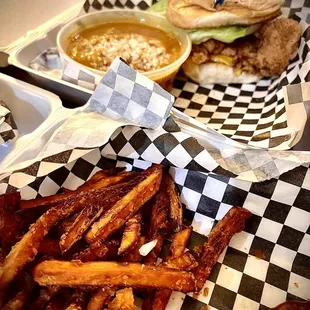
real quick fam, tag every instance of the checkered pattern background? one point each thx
(254, 114)
(8, 128)
(78, 75)
(168, 146)
(278, 231)
(50, 56)
(126, 95)
(290, 7)
(132, 98)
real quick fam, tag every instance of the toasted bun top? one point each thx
(194, 14)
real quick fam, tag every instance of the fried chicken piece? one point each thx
(278, 42)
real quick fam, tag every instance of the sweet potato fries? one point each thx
(62, 273)
(81, 248)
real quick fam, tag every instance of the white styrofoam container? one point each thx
(20, 20)
(22, 56)
(37, 114)
(28, 29)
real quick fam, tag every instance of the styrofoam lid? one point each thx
(19, 18)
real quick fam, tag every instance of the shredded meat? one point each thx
(229, 51)
(210, 45)
(199, 54)
(266, 53)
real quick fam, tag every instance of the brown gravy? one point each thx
(143, 47)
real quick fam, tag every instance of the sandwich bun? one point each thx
(216, 73)
(197, 14)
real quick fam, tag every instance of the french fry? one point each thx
(91, 212)
(66, 293)
(64, 226)
(148, 296)
(123, 300)
(159, 299)
(49, 247)
(9, 222)
(158, 223)
(73, 227)
(98, 176)
(109, 204)
(60, 198)
(45, 296)
(76, 273)
(179, 242)
(26, 249)
(57, 303)
(99, 250)
(10, 202)
(100, 298)
(108, 172)
(125, 208)
(134, 255)
(101, 174)
(89, 254)
(184, 262)
(197, 251)
(176, 210)
(109, 181)
(131, 234)
(232, 223)
(160, 207)
(76, 302)
(65, 190)
(18, 302)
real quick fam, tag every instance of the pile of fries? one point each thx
(101, 244)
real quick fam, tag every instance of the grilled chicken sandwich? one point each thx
(234, 41)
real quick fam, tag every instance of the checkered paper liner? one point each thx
(255, 114)
(8, 128)
(48, 62)
(278, 231)
(125, 97)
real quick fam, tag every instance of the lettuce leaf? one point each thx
(159, 8)
(226, 34)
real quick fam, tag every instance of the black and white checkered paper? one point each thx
(125, 105)
(128, 114)
(8, 128)
(278, 231)
(128, 96)
(48, 62)
(254, 114)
